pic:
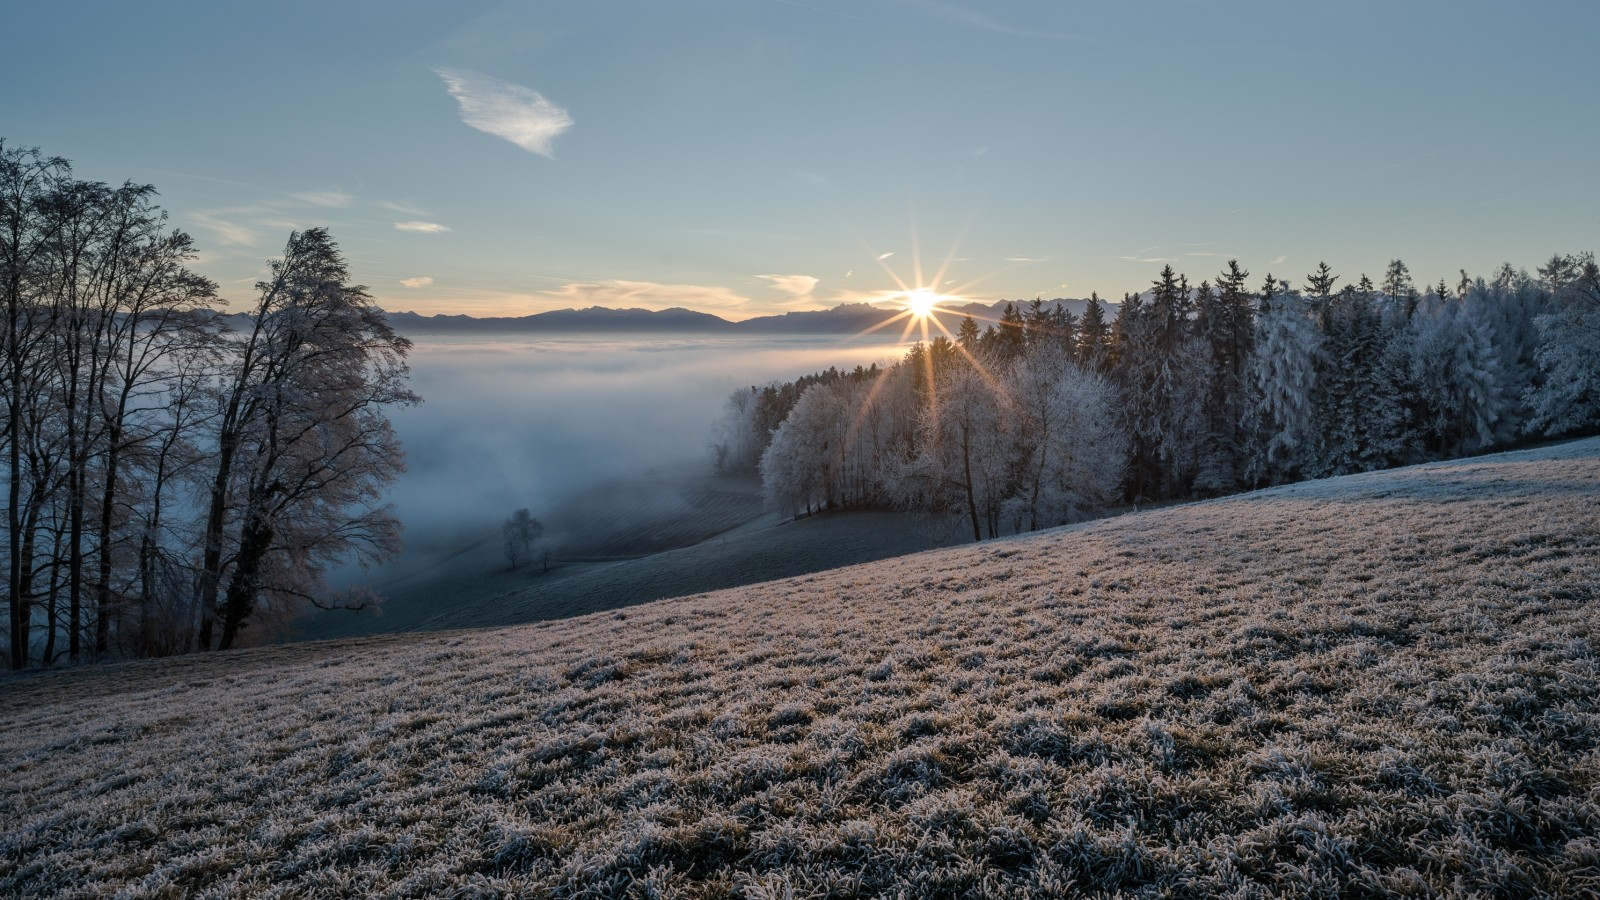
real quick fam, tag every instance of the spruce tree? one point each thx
(967, 334)
(1162, 375)
(1093, 335)
(1011, 339)
(1282, 377)
(1034, 324)
(1357, 412)
(1062, 326)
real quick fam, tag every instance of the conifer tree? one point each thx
(1011, 337)
(1035, 326)
(1161, 373)
(1568, 398)
(1062, 327)
(1093, 335)
(967, 334)
(1283, 385)
(1225, 322)
(1319, 284)
(1357, 414)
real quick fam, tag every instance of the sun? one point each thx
(921, 302)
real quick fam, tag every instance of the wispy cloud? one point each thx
(520, 115)
(402, 208)
(647, 295)
(1279, 261)
(1210, 253)
(883, 256)
(812, 177)
(972, 18)
(227, 232)
(797, 286)
(419, 281)
(1146, 255)
(332, 198)
(421, 227)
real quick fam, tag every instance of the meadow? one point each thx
(1377, 685)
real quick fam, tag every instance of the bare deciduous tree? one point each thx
(303, 445)
(519, 532)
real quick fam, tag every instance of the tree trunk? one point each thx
(245, 583)
(1038, 476)
(211, 562)
(21, 619)
(146, 596)
(19, 602)
(75, 564)
(22, 600)
(966, 477)
(102, 601)
(52, 614)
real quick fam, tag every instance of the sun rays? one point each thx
(921, 302)
(922, 305)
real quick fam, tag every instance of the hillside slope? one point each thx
(1382, 684)
(469, 586)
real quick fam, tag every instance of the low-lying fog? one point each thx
(515, 423)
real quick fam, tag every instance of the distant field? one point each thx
(1381, 685)
(634, 518)
(708, 534)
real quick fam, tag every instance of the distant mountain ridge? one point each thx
(846, 318)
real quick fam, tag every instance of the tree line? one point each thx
(176, 479)
(1043, 417)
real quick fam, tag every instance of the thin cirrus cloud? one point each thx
(418, 282)
(421, 227)
(520, 115)
(619, 294)
(402, 208)
(797, 286)
(329, 199)
(228, 232)
(1140, 256)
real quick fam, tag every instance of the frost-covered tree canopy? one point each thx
(1189, 392)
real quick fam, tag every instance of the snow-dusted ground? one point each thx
(1382, 684)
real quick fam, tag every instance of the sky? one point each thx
(747, 157)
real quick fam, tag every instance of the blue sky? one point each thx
(754, 156)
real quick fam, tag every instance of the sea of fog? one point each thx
(510, 423)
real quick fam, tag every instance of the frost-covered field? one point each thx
(1383, 684)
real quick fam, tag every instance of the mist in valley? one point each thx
(551, 424)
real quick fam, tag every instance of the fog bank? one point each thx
(521, 423)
